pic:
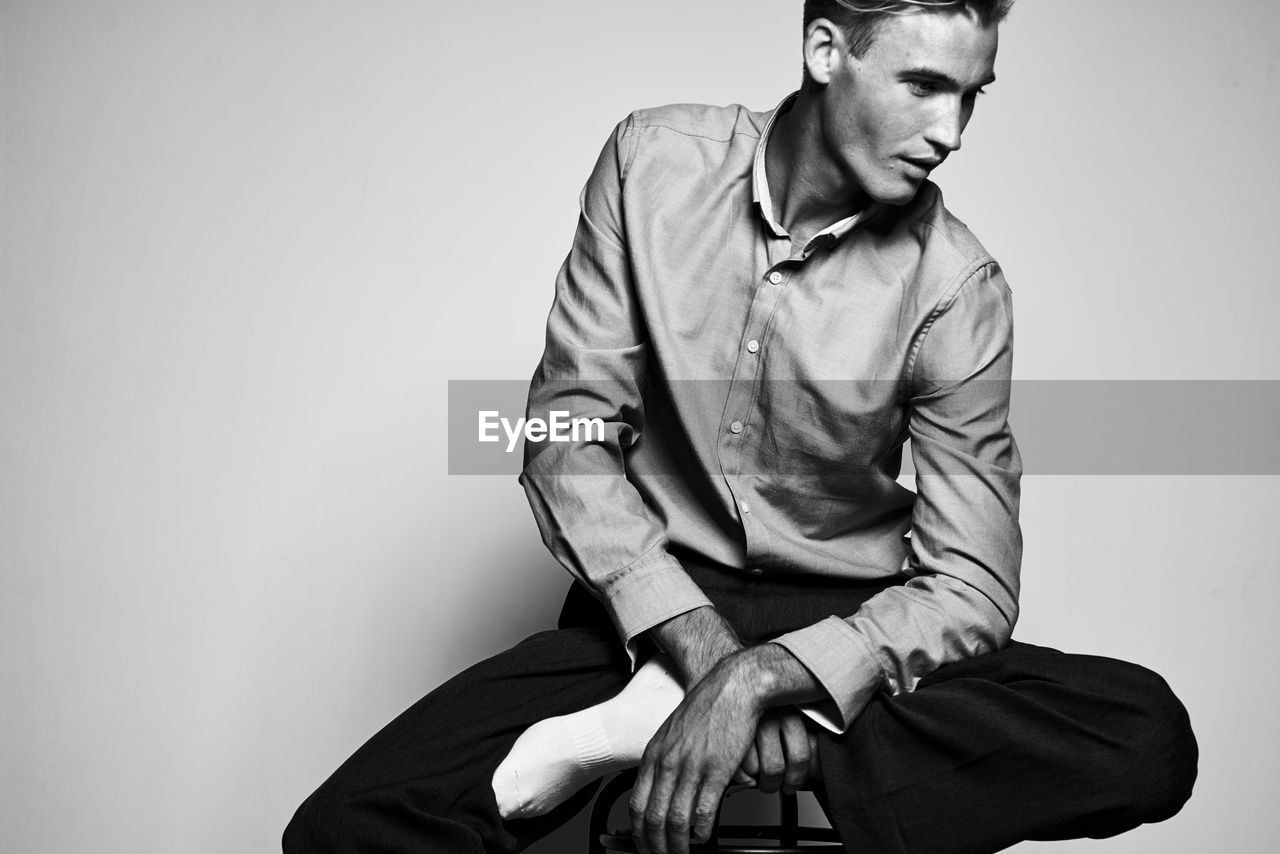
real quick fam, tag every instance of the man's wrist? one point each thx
(776, 676)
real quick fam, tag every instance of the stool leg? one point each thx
(789, 819)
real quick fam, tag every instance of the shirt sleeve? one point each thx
(591, 517)
(961, 598)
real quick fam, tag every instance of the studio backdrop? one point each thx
(248, 244)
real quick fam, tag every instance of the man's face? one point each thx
(892, 116)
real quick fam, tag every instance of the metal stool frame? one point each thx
(788, 832)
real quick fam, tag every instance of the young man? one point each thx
(761, 308)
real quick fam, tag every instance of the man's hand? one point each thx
(688, 763)
(697, 640)
(782, 753)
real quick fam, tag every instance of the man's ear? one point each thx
(824, 47)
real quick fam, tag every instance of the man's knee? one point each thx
(319, 825)
(1162, 754)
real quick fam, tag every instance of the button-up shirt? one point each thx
(756, 396)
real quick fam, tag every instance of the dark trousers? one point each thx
(1024, 743)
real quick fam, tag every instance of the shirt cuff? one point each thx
(842, 662)
(652, 590)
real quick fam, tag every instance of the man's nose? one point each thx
(947, 126)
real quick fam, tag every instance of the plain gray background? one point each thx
(247, 243)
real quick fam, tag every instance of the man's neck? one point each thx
(808, 191)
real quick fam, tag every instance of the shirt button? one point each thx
(735, 427)
(746, 508)
(775, 278)
(755, 570)
(753, 346)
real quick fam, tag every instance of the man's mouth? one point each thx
(924, 165)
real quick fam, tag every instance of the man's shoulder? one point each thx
(701, 121)
(943, 232)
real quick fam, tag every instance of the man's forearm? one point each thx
(698, 640)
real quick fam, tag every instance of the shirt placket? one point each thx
(743, 413)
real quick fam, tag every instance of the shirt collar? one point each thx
(761, 196)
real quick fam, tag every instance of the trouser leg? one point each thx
(422, 784)
(1025, 743)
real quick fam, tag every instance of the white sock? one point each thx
(554, 758)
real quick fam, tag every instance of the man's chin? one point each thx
(900, 195)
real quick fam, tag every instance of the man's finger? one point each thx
(795, 744)
(751, 763)
(680, 814)
(640, 799)
(706, 808)
(773, 761)
(653, 818)
(707, 804)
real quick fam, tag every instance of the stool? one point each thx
(789, 836)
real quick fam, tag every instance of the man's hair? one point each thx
(859, 19)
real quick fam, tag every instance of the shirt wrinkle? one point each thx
(699, 135)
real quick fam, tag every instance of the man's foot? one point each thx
(555, 758)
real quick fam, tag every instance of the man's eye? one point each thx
(922, 87)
